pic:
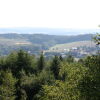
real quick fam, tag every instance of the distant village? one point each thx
(77, 52)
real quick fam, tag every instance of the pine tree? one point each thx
(41, 63)
(55, 67)
(23, 62)
(11, 62)
(61, 58)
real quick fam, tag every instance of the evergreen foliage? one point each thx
(55, 67)
(7, 86)
(97, 39)
(24, 77)
(41, 63)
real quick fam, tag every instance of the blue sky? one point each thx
(50, 13)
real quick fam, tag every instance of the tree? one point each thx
(61, 58)
(11, 62)
(20, 91)
(70, 59)
(55, 67)
(23, 62)
(41, 63)
(97, 39)
(90, 84)
(7, 86)
(63, 71)
(68, 89)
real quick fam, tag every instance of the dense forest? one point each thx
(26, 77)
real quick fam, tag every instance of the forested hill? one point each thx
(35, 42)
(42, 38)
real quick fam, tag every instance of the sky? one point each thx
(50, 13)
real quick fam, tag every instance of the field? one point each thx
(11, 42)
(73, 45)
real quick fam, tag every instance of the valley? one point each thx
(50, 44)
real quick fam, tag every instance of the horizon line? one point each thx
(49, 27)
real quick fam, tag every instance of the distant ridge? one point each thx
(50, 31)
(36, 42)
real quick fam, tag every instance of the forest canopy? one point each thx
(26, 77)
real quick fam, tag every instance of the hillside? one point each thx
(36, 42)
(11, 42)
(43, 38)
(72, 45)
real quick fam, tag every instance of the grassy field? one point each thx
(12, 42)
(61, 47)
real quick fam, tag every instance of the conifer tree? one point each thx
(11, 62)
(55, 67)
(23, 62)
(41, 63)
(61, 58)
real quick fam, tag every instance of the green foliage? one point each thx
(10, 62)
(20, 91)
(41, 63)
(70, 59)
(61, 58)
(90, 84)
(54, 79)
(68, 89)
(55, 67)
(23, 62)
(97, 39)
(3, 63)
(7, 86)
(60, 91)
